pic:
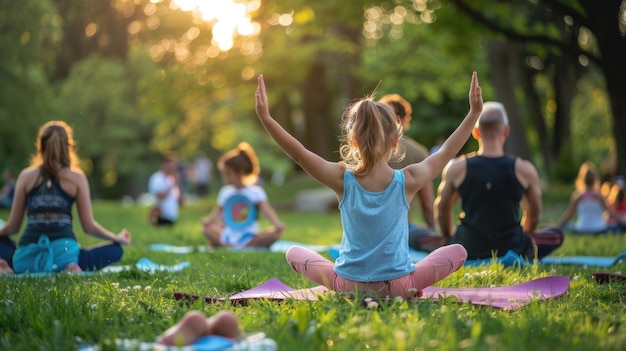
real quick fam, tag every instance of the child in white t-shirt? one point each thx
(235, 221)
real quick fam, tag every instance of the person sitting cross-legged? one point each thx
(492, 186)
(45, 192)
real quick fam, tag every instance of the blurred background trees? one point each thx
(139, 77)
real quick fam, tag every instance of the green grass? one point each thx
(63, 312)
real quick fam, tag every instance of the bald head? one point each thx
(493, 119)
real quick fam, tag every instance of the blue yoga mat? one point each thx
(41, 274)
(147, 265)
(510, 259)
(207, 343)
(254, 341)
(595, 261)
(278, 246)
(143, 264)
(171, 248)
(284, 245)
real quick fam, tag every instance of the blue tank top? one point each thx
(490, 200)
(374, 246)
(49, 212)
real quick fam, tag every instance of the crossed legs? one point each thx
(436, 266)
(212, 231)
(92, 258)
(5, 268)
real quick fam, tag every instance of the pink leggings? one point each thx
(437, 265)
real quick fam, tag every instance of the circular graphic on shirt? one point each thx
(239, 212)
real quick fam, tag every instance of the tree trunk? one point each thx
(499, 57)
(616, 87)
(604, 23)
(566, 76)
(533, 106)
(317, 104)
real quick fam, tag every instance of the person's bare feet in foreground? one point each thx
(195, 325)
(5, 268)
(72, 268)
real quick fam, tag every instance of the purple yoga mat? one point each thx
(273, 290)
(509, 298)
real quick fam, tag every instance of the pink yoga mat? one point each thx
(509, 298)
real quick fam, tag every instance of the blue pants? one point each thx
(89, 259)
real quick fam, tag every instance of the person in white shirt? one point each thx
(165, 186)
(235, 220)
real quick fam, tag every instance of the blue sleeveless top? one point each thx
(49, 212)
(490, 200)
(374, 246)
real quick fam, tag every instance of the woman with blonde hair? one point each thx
(586, 203)
(45, 192)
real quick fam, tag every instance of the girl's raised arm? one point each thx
(327, 173)
(434, 164)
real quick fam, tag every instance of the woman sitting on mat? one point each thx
(373, 200)
(235, 220)
(586, 203)
(45, 192)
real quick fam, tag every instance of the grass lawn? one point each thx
(63, 312)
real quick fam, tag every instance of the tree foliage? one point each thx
(29, 32)
(138, 78)
(563, 39)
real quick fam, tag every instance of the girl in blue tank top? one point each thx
(373, 200)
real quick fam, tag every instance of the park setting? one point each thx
(294, 175)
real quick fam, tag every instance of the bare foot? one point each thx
(212, 236)
(195, 325)
(5, 268)
(224, 324)
(189, 328)
(72, 268)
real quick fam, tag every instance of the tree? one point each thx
(425, 59)
(28, 31)
(312, 62)
(600, 40)
(111, 134)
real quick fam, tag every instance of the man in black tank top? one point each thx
(500, 198)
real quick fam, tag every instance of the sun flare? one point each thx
(230, 18)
